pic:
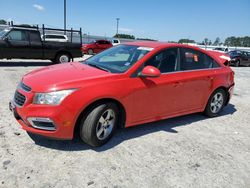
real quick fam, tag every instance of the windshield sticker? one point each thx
(127, 64)
(145, 48)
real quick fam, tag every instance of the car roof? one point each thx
(219, 56)
(56, 34)
(156, 44)
(23, 28)
(102, 40)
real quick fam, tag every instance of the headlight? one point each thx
(53, 98)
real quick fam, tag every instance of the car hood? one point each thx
(62, 76)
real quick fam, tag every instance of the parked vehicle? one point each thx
(123, 86)
(239, 58)
(55, 37)
(221, 49)
(96, 47)
(26, 43)
(115, 42)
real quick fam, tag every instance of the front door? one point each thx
(17, 45)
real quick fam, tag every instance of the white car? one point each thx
(221, 49)
(55, 37)
(115, 42)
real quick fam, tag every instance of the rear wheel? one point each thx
(62, 58)
(215, 103)
(99, 125)
(90, 52)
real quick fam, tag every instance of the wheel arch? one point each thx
(63, 51)
(226, 89)
(85, 111)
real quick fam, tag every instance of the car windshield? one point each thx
(117, 59)
(233, 53)
(3, 32)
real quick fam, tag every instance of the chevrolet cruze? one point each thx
(127, 85)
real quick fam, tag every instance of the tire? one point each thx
(216, 103)
(96, 128)
(90, 52)
(62, 58)
(237, 63)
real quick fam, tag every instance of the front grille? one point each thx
(25, 87)
(19, 98)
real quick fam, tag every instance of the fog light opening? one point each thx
(42, 123)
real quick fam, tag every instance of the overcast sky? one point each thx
(158, 19)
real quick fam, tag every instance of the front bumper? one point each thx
(233, 61)
(230, 93)
(46, 120)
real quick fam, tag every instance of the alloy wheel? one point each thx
(105, 124)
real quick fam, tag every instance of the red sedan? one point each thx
(96, 47)
(124, 86)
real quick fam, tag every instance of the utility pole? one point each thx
(64, 16)
(117, 25)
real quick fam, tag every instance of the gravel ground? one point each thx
(188, 151)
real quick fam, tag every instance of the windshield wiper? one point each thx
(97, 66)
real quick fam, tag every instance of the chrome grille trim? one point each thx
(25, 87)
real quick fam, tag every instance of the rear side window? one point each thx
(194, 60)
(34, 36)
(99, 42)
(17, 35)
(211, 63)
(54, 37)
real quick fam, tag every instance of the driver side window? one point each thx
(17, 35)
(165, 61)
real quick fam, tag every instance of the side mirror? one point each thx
(150, 71)
(6, 39)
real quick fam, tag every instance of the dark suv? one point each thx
(239, 57)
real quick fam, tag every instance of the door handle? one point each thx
(210, 78)
(176, 84)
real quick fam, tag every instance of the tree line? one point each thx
(229, 41)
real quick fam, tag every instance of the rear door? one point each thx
(36, 47)
(198, 72)
(17, 44)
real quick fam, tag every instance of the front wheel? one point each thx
(237, 63)
(99, 125)
(215, 103)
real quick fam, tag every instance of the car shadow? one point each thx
(122, 135)
(24, 63)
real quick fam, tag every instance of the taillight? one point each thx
(232, 76)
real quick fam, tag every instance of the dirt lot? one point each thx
(189, 151)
